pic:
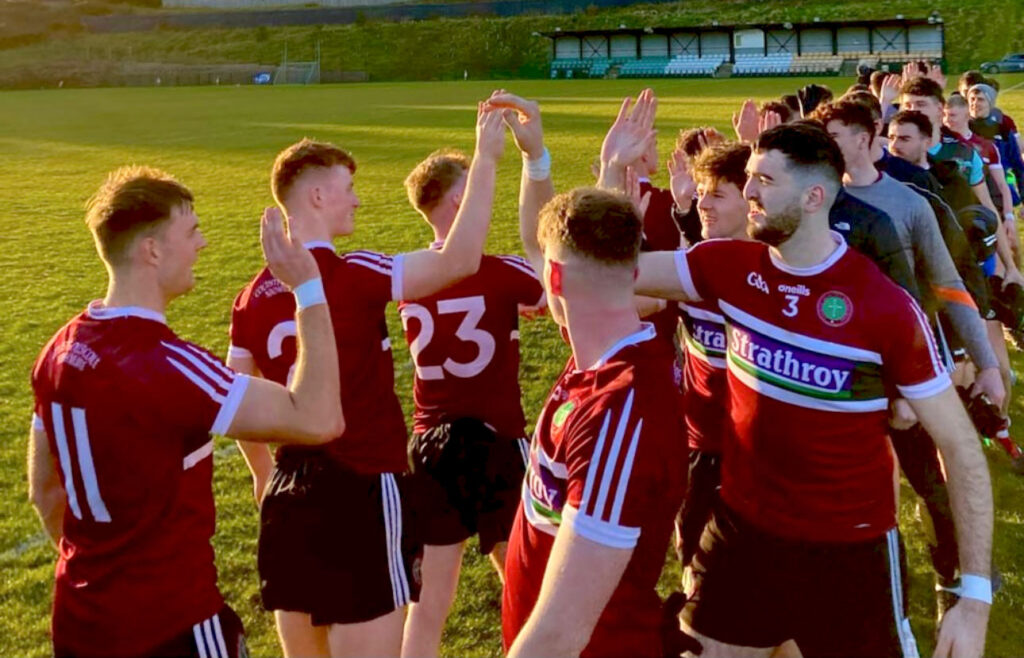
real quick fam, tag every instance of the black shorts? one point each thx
(220, 636)
(704, 478)
(335, 543)
(478, 493)
(758, 590)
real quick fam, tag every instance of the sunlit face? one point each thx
(773, 196)
(926, 105)
(978, 105)
(178, 243)
(907, 142)
(722, 210)
(340, 200)
(852, 141)
(955, 117)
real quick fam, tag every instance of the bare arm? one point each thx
(308, 411)
(579, 580)
(258, 456)
(970, 493)
(1002, 241)
(657, 276)
(44, 487)
(427, 271)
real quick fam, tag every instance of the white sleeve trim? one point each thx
(37, 423)
(601, 532)
(236, 352)
(397, 274)
(685, 280)
(232, 401)
(926, 389)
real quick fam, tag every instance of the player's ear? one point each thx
(146, 250)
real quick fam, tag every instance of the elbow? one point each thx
(329, 429)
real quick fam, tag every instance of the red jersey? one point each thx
(607, 458)
(661, 234)
(465, 347)
(128, 409)
(358, 285)
(705, 390)
(985, 148)
(812, 356)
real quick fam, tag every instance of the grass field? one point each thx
(58, 145)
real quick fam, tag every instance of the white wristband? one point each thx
(309, 294)
(539, 169)
(974, 587)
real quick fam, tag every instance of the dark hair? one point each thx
(868, 100)
(857, 87)
(299, 158)
(689, 141)
(792, 102)
(780, 108)
(725, 162)
(601, 225)
(923, 87)
(970, 78)
(807, 147)
(923, 123)
(132, 201)
(432, 178)
(851, 113)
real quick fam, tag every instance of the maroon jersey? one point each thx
(705, 390)
(465, 347)
(358, 285)
(608, 459)
(812, 356)
(985, 148)
(128, 409)
(661, 234)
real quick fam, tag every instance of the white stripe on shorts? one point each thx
(524, 450)
(392, 503)
(197, 633)
(210, 644)
(219, 634)
(903, 630)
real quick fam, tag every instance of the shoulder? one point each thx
(510, 263)
(263, 286)
(369, 261)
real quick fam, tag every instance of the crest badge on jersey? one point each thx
(562, 413)
(834, 308)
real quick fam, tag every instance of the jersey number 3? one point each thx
(468, 332)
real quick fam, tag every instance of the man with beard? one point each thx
(804, 544)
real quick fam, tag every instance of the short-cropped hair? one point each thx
(956, 100)
(597, 224)
(427, 184)
(850, 113)
(919, 119)
(867, 99)
(970, 78)
(877, 78)
(133, 201)
(291, 163)
(925, 87)
(807, 147)
(725, 162)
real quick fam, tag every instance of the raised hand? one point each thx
(640, 201)
(289, 261)
(745, 121)
(681, 182)
(631, 133)
(523, 119)
(935, 73)
(490, 133)
(890, 90)
(767, 121)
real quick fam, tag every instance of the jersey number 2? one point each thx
(468, 331)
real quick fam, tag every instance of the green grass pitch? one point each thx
(57, 147)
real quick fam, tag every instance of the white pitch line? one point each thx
(1016, 86)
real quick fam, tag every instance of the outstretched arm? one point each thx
(627, 140)
(535, 187)
(428, 271)
(308, 411)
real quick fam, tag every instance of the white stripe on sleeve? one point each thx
(198, 381)
(230, 406)
(397, 278)
(217, 378)
(685, 279)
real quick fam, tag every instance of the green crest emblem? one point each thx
(835, 309)
(562, 413)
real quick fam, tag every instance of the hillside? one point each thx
(59, 49)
